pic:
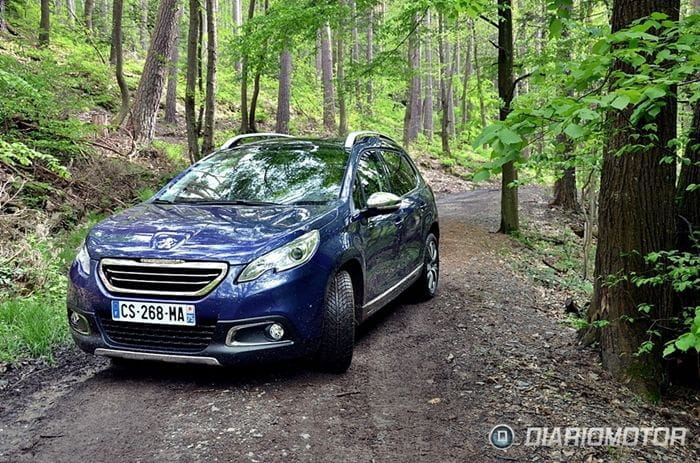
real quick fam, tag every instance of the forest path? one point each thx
(427, 383)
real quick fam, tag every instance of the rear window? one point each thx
(304, 173)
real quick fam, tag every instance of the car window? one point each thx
(284, 174)
(402, 176)
(371, 177)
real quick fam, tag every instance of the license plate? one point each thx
(153, 312)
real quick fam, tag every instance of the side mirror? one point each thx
(382, 202)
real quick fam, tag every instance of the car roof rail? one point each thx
(352, 137)
(235, 141)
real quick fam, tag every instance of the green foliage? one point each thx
(17, 153)
(659, 55)
(680, 270)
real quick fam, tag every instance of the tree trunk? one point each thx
(45, 23)
(636, 217)
(477, 70)
(171, 90)
(466, 107)
(117, 13)
(284, 90)
(428, 105)
(70, 4)
(565, 193)
(509, 173)
(89, 8)
(340, 80)
(369, 56)
(413, 116)
(210, 98)
(689, 201)
(148, 94)
(252, 123)
(104, 20)
(3, 26)
(143, 25)
(191, 85)
(200, 70)
(237, 23)
(444, 110)
(245, 126)
(355, 55)
(327, 80)
(565, 184)
(452, 65)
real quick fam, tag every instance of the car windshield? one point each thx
(264, 174)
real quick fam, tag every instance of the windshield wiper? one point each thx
(163, 201)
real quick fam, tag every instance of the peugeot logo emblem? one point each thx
(166, 241)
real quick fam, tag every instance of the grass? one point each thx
(32, 327)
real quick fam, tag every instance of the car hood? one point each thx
(236, 234)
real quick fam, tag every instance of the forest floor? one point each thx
(427, 383)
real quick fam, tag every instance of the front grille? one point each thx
(162, 337)
(161, 278)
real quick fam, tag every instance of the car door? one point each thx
(404, 182)
(379, 233)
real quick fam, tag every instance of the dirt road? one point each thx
(427, 383)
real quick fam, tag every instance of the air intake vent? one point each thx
(162, 337)
(161, 278)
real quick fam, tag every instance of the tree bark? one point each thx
(689, 201)
(340, 79)
(70, 6)
(210, 97)
(191, 85)
(329, 123)
(452, 65)
(565, 185)
(284, 90)
(45, 23)
(171, 89)
(148, 94)
(369, 57)
(355, 54)
(444, 109)
(245, 126)
(143, 25)
(117, 13)
(466, 107)
(237, 23)
(636, 217)
(477, 70)
(509, 172)
(428, 105)
(413, 115)
(87, 13)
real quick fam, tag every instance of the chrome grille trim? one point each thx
(112, 277)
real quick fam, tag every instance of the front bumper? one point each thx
(218, 352)
(292, 298)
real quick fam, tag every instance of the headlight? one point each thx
(83, 260)
(291, 255)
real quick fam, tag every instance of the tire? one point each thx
(427, 285)
(338, 333)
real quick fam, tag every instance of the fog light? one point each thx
(79, 323)
(275, 331)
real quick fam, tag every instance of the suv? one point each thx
(271, 247)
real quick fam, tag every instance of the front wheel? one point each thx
(338, 335)
(427, 284)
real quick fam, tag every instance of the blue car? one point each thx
(272, 247)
